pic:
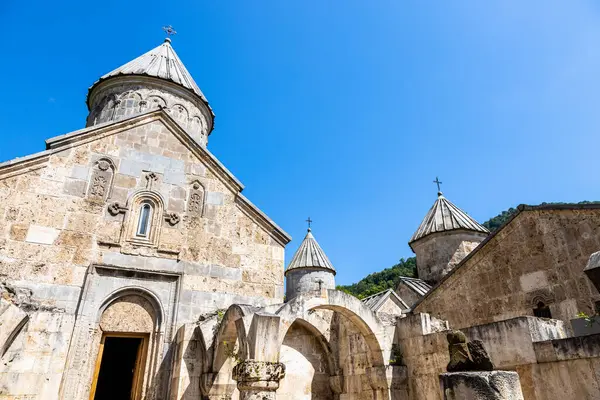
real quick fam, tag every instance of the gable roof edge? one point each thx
(60, 143)
(255, 213)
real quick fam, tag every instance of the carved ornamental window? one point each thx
(100, 184)
(144, 217)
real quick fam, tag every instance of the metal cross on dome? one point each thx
(309, 222)
(438, 182)
(169, 30)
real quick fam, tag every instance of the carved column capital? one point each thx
(258, 376)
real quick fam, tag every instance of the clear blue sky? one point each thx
(342, 110)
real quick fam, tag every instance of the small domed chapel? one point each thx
(133, 267)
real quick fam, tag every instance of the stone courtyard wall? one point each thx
(512, 345)
(539, 256)
(55, 233)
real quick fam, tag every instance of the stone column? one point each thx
(258, 380)
(481, 385)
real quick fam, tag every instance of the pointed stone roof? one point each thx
(444, 216)
(310, 255)
(160, 62)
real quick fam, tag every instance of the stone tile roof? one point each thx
(375, 301)
(310, 255)
(417, 285)
(444, 216)
(160, 62)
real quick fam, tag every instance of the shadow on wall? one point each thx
(307, 369)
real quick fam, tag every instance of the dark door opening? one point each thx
(119, 368)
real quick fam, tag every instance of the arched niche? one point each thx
(308, 362)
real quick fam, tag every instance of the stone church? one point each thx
(133, 267)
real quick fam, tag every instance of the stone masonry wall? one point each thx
(538, 256)
(438, 253)
(52, 230)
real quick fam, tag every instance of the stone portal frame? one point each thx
(105, 284)
(135, 206)
(155, 333)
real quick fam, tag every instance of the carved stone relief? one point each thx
(100, 184)
(196, 199)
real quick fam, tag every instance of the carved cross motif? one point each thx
(98, 186)
(151, 178)
(116, 208)
(172, 219)
(195, 203)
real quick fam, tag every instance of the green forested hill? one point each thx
(383, 280)
(390, 277)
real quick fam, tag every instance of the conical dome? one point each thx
(156, 79)
(310, 255)
(444, 216)
(160, 62)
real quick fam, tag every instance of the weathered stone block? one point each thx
(41, 234)
(492, 385)
(214, 198)
(75, 187)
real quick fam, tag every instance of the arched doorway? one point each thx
(129, 344)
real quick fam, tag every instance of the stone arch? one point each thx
(196, 129)
(229, 347)
(103, 111)
(134, 310)
(231, 329)
(359, 327)
(127, 104)
(309, 362)
(154, 101)
(349, 306)
(128, 291)
(180, 113)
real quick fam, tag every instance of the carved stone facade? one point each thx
(128, 243)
